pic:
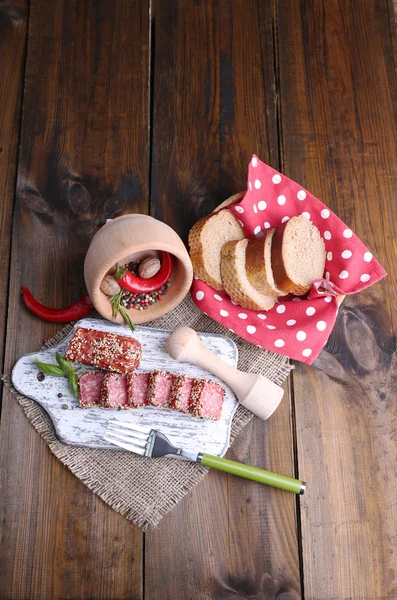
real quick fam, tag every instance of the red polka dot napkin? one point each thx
(295, 327)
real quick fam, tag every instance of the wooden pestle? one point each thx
(256, 392)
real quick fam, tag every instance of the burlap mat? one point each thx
(143, 489)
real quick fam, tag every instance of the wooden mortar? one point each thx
(136, 236)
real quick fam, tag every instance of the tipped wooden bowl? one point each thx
(133, 237)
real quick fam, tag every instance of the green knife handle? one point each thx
(241, 470)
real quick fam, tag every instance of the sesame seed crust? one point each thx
(109, 351)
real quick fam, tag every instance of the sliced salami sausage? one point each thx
(114, 391)
(206, 399)
(137, 385)
(160, 384)
(105, 350)
(180, 393)
(90, 384)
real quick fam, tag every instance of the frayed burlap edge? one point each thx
(156, 491)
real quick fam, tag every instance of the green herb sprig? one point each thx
(64, 368)
(115, 301)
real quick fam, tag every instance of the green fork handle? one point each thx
(241, 470)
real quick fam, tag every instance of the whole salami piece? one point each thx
(160, 384)
(90, 384)
(105, 350)
(114, 391)
(137, 385)
(206, 399)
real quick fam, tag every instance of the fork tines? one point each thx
(127, 436)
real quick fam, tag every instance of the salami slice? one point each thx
(180, 393)
(137, 385)
(114, 391)
(105, 350)
(206, 399)
(90, 389)
(160, 384)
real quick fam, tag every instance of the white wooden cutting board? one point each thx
(86, 427)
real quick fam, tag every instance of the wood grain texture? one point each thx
(338, 91)
(230, 538)
(83, 159)
(13, 33)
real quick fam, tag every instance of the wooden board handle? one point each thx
(256, 392)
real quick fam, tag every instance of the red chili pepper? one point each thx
(57, 315)
(132, 283)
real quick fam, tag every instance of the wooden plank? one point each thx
(84, 158)
(337, 84)
(13, 32)
(228, 537)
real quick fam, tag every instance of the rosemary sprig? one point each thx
(127, 318)
(115, 301)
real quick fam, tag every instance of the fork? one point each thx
(155, 444)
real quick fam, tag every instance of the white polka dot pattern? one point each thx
(299, 326)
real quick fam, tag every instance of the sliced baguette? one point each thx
(206, 239)
(235, 280)
(258, 264)
(298, 256)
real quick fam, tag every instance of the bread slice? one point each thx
(298, 256)
(206, 239)
(258, 264)
(235, 279)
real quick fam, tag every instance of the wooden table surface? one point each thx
(116, 106)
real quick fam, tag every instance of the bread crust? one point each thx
(237, 286)
(197, 249)
(257, 270)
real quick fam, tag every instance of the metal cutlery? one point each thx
(154, 444)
